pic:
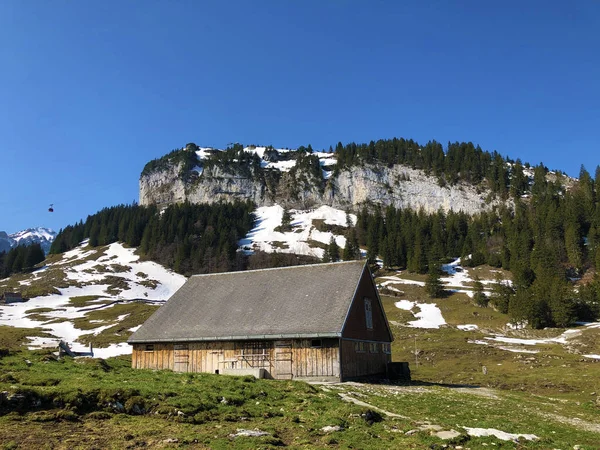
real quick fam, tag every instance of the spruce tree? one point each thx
(334, 250)
(433, 284)
(351, 250)
(479, 296)
(34, 255)
(501, 294)
(286, 221)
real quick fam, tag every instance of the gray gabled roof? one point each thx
(300, 301)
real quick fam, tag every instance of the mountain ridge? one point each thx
(39, 235)
(394, 173)
(277, 176)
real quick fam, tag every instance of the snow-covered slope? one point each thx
(42, 236)
(100, 288)
(304, 238)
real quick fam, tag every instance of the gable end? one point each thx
(366, 317)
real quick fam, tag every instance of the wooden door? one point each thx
(214, 361)
(283, 360)
(181, 355)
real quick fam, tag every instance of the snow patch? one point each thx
(430, 316)
(516, 350)
(406, 305)
(58, 321)
(502, 435)
(264, 237)
(394, 279)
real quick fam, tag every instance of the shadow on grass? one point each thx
(416, 383)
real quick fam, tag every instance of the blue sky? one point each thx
(91, 91)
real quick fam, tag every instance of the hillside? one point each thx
(87, 295)
(477, 380)
(486, 369)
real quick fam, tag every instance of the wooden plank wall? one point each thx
(316, 362)
(202, 357)
(160, 358)
(359, 364)
(211, 356)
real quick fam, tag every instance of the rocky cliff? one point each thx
(278, 183)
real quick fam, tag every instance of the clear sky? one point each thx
(91, 91)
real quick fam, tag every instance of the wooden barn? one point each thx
(318, 322)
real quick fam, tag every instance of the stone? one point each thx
(331, 429)
(451, 434)
(117, 406)
(249, 433)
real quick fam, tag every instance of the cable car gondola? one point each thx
(51, 209)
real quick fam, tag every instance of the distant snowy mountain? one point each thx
(39, 235)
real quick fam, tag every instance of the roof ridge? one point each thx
(281, 268)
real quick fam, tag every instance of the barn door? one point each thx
(214, 361)
(283, 360)
(181, 353)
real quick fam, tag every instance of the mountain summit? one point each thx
(39, 235)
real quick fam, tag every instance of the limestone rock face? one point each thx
(162, 188)
(398, 185)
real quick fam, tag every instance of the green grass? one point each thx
(87, 300)
(137, 313)
(72, 403)
(445, 355)
(13, 338)
(72, 397)
(87, 403)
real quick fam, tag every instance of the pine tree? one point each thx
(286, 221)
(351, 250)
(573, 246)
(19, 260)
(433, 284)
(334, 250)
(502, 292)
(34, 255)
(479, 296)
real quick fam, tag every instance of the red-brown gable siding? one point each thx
(356, 325)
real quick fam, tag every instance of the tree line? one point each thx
(547, 240)
(188, 238)
(461, 161)
(20, 259)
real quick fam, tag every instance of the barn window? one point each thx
(253, 347)
(360, 347)
(149, 347)
(373, 348)
(386, 348)
(316, 343)
(368, 313)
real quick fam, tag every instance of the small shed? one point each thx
(10, 297)
(317, 322)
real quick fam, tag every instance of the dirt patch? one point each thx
(574, 421)
(480, 391)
